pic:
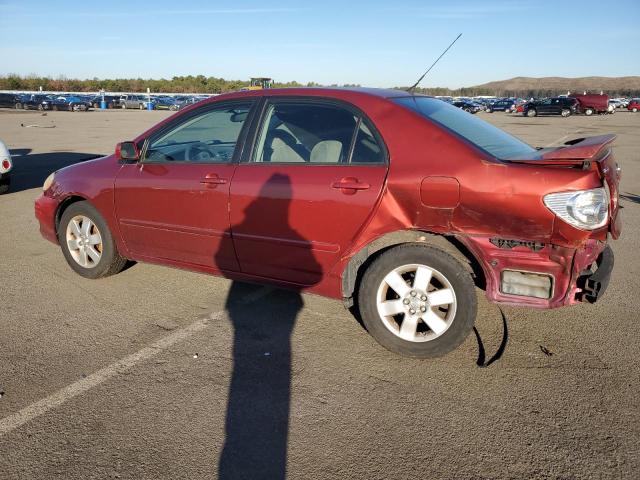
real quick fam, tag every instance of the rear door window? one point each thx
(303, 132)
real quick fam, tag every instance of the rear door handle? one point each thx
(213, 179)
(349, 185)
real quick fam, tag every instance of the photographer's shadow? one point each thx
(257, 417)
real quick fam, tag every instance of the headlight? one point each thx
(585, 209)
(48, 182)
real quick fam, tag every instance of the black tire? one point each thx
(588, 111)
(5, 184)
(110, 262)
(124, 106)
(18, 106)
(40, 107)
(532, 112)
(634, 110)
(456, 274)
(141, 106)
(565, 112)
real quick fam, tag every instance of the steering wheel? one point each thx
(198, 152)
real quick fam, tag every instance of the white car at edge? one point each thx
(5, 167)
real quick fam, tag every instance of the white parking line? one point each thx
(40, 407)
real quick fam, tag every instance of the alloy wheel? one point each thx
(416, 303)
(84, 241)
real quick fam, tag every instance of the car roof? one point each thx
(317, 91)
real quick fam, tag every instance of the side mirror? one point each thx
(127, 152)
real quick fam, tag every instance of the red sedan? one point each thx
(396, 202)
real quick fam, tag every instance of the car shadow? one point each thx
(31, 169)
(258, 404)
(631, 197)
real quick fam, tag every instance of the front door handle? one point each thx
(349, 185)
(213, 179)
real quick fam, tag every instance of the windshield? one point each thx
(483, 135)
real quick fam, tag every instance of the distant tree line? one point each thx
(182, 84)
(202, 84)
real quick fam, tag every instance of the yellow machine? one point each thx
(259, 83)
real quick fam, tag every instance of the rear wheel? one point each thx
(588, 111)
(87, 243)
(565, 112)
(141, 106)
(417, 301)
(124, 106)
(532, 112)
(18, 106)
(634, 109)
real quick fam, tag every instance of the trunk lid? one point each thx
(586, 152)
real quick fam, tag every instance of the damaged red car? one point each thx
(398, 204)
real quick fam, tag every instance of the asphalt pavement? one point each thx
(161, 373)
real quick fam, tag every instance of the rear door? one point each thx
(173, 204)
(305, 190)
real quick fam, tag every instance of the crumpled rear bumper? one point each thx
(578, 275)
(594, 283)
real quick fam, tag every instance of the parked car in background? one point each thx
(624, 102)
(6, 164)
(33, 102)
(615, 103)
(592, 103)
(8, 100)
(247, 185)
(135, 101)
(111, 101)
(167, 103)
(550, 106)
(77, 103)
(468, 106)
(501, 106)
(69, 103)
(634, 105)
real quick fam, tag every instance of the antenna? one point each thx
(432, 65)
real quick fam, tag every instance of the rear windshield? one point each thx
(483, 135)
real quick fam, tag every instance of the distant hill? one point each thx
(562, 85)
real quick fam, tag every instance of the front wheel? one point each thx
(588, 112)
(634, 110)
(417, 301)
(532, 112)
(87, 243)
(565, 112)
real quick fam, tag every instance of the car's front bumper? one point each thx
(45, 210)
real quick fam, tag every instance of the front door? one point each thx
(310, 185)
(173, 204)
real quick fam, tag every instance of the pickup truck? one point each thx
(592, 103)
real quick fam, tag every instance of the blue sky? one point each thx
(373, 43)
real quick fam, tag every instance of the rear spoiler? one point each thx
(575, 152)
